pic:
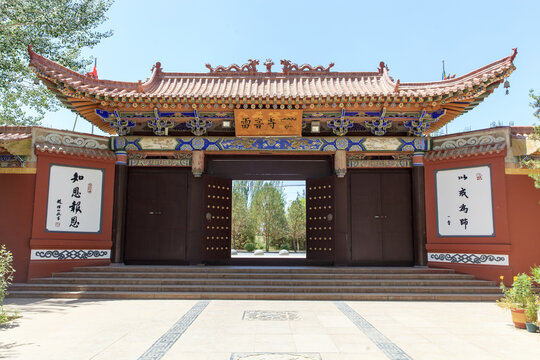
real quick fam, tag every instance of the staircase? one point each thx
(259, 282)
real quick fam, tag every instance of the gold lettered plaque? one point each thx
(266, 122)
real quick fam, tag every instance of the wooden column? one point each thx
(419, 210)
(340, 163)
(343, 241)
(119, 210)
(197, 163)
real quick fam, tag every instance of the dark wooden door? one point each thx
(217, 219)
(320, 219)
(381, 217)
(156, 215)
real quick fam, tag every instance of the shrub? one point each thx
(535, 271)
(249, 247)
(285, 247)
(6, 272)
(6, 277)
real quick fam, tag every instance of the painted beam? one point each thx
(273, 144)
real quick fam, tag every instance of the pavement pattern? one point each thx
(261, 330)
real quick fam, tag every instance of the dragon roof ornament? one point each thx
(251, 68)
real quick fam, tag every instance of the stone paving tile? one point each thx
(81, 329)
(125, 329)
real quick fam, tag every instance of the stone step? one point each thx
(255, 288)
(264, 269)
(256, 296)
(242, 282)
(228, 275)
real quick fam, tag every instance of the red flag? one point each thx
(93, 74)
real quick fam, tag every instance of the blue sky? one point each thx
(412, 37)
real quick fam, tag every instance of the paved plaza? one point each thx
(257, 330)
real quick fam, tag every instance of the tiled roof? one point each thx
(14, 133)
(266, 85)
(77, 151)
(467, 151)
(299, 87)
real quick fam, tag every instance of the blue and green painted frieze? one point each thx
(296, 144)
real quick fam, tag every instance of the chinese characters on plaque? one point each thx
(75, 199)
(267, 122)
(464, 202)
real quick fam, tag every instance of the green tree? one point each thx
(296, 216)
(534, 162)
(243, 227)
(57, 29)
(269, 206)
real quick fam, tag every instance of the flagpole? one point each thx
(75, 124)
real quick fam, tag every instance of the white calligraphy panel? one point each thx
(464, 202)
(75, 199)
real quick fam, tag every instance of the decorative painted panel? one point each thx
(160, 162)
(464, 201)
(70, 254)
(475, 259)
(322, 144)
(12, 161)
(360, 163)
(74, 202)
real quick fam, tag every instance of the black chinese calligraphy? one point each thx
(74, 223)
(75, 207)
(76, 177)
(245, 122)
(463, 208)
(463, 192)
(463, 177)
(464, 222)
(76, 193)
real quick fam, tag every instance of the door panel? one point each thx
(397, 222)
(156, 215)
(217, 218)
(365, 223)
(320, 219)
(381, 217)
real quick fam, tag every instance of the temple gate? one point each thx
(358, 139)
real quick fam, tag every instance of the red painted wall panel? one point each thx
(42, 239)
(498, 244)
(524, 222)
(16, 210)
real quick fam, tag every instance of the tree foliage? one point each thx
(57, 29)
(259, 210)
(243, 222)
(296, 216)
(268, 205)
(534, 162)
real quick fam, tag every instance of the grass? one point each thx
(6, 316)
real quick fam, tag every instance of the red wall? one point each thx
(52, 240)
(16, 200)
(524, 222)
(498, 244)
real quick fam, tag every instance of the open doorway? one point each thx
(268, 219)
